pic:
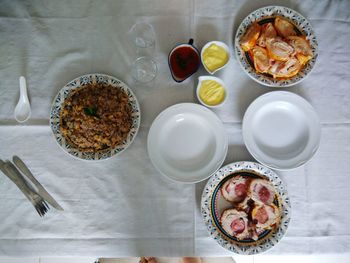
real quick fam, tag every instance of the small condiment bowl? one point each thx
(221, 44)
(203, 78)
(191, 63)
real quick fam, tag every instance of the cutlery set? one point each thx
(18, 172)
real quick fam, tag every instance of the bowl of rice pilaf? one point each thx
(94, 117)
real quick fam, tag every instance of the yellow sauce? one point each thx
(214, 57)
(211, 92)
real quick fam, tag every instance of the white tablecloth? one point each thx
(123, 206)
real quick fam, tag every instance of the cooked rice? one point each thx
(96, 117)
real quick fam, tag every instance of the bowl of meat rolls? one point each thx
(246, 208)
(276, 46)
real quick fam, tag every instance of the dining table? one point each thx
(123, 206)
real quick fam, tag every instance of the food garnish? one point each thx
(91, 111)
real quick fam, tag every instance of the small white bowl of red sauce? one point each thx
(184, 60)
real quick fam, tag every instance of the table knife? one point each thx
(41, 190)
(16, 178)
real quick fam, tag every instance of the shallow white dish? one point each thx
(187, 143)
(281, 130)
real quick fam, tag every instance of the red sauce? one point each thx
(184, 61)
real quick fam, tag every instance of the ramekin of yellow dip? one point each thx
(215, 55)
(211, 91)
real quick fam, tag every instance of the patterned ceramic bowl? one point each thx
(210, 206)
(80, 82)
(265, 15)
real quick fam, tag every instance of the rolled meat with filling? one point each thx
(249, 39)
(284, 27)
(235, 223)
(285, 69)
(301, 47)
(235, 189)
(266, 216)
(279, 49)
(261, 59)
(262, 191)
(267, 32)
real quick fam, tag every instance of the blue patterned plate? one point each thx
(80, 82)
(263, 15)
(209, 211)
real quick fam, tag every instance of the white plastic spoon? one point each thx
(22, 110)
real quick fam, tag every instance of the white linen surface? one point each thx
(123, 206)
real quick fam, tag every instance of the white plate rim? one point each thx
(183, 105)
(280, 95)
(264, 171)
(64, 93)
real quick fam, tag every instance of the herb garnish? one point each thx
(91, 111)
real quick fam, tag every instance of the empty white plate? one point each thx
(187, 143)
(281, 130)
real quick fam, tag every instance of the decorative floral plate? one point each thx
(80, 82)
(264, 15)
(209, 201)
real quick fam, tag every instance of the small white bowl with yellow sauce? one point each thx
(211, 91)
(215, 55)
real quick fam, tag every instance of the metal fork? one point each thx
(37, 201)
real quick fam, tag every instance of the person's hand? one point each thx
(191, 260)
(148, 260)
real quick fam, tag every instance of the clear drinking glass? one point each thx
(142, 36)
(144, 69)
